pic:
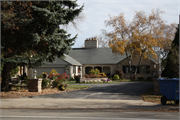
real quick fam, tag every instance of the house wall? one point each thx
(154, 67)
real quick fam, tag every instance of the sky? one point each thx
(97, 11)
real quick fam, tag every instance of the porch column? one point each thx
(71, 71)
(102, 69)
(84, 71)
(76, 70)
(111, 70)
(81, 71)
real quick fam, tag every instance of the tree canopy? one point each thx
(31, 33)
(139, 37)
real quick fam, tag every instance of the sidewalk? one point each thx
(81, 104)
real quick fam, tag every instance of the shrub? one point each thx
(116, 77)
(45, 83)
(121, 74)
(97, 72)
(54, 71)
(55, 83)
(93, 72)
(149, 78)
(14, 71)
(140, 78)
(77, 78)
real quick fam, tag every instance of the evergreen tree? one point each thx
(172, 61)
(31, 34)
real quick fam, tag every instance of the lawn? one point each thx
(77, 87)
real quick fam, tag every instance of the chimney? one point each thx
(91, 43)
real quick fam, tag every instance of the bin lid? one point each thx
(174, 79)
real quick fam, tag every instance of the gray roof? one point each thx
(71, 60)
(97, 56)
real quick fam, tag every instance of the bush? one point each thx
(45, 83)
(77, 78)
(140, 78)
(121, 74)
(55, 83)
(97, 72)
(54, 71)
(93, 72)
(116, 77)
(149, 78)
(14, 71)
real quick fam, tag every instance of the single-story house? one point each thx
(82, 60)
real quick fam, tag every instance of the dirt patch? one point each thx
(24, 93)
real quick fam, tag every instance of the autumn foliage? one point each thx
(140, 37)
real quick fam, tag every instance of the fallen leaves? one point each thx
(25, 93)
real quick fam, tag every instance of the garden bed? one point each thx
(25, 93)
(93, 80)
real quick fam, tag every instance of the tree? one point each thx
(102, 41)
(31, 33)
(171, 63)
(139, 37)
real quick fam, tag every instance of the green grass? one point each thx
(77, 87)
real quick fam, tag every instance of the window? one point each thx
(127, 70)
(145, 69)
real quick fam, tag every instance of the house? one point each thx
(82, 60)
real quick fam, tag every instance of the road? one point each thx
(74, 114)
(121, 91)
(100, 102)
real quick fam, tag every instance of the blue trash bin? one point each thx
(169, 89)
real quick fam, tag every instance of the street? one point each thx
(102, 101)
(80, 114)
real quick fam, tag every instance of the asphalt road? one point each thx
(121, 91)
(56, 114)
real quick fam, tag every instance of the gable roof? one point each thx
(71, 60)
(95, 56)
(98, 56)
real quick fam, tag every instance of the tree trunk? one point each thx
(138, 65)
(6, 75)
(129, 62)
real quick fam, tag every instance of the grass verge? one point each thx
(77, 87)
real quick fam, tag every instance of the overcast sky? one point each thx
(96, 12)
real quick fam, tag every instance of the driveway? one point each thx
(121, 91)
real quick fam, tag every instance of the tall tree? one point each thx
(139, 37)
(31, 33)
(172, 61)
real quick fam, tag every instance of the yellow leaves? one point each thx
(142, 34)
